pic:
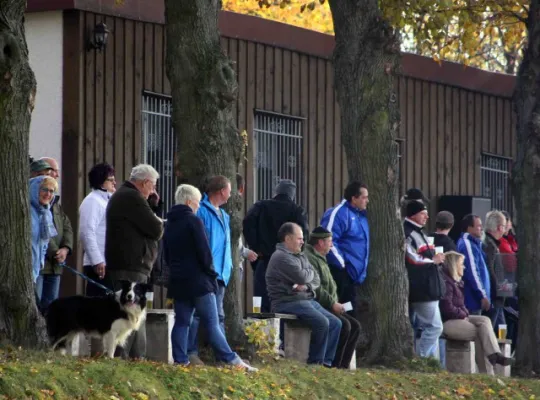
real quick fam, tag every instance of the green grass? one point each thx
(41, 375)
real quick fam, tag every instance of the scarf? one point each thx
(46, 224)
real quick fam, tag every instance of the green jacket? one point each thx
(63, 239)
(327, 291)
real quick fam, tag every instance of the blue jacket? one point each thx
(187, 253)
(219, 236)
(350, 235)
(39, 215)
(476, 274)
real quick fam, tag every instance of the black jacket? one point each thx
(445, 241)
(495, 267)
(131, 240)
(264, 219)
(187, 253)
(426, 282)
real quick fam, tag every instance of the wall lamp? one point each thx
(100, 36)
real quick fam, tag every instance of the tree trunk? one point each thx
(20, 322)
(204, 87)
(366, 58)
(526, 185)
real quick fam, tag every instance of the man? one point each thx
(320, 243)
(426, 285)
(495, 230)
(39, 167)
(261, 226)
(292, 283)
(217, 226)
(477, 288)
(412, 194)
(131, 240)
(444, 221)
(350, 235)
(60, 246)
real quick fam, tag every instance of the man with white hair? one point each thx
(131, 240)
(495, 229)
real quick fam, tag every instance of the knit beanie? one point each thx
(415, 194)
(414, 207)
(286, 187)
(320, 233)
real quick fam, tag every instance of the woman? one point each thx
(459, 325)
(192, 280)
(41, 191)
(92, 226)
(508, 246)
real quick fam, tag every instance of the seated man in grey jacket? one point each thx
(291, 282)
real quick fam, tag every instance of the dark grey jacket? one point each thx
(286, 269)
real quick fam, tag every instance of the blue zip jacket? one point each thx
(38, 212)
(219, 237)
(476, 274)
(350, 235)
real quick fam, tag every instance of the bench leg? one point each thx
(158, 334)
(506, 350)
(460, 357)
(297, 338)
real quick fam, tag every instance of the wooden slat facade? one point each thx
(444, 128)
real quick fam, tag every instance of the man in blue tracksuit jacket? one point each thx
(477, 288)
(350, 234)
(217, 226)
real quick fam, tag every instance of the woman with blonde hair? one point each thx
(459, 325)
(41, 192)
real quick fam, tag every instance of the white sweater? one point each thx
(92, 226)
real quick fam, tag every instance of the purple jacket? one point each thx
(453, 304)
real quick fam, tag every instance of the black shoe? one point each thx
(498, 358)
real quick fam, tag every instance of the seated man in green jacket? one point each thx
(320, 243)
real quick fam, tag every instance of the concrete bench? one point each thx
(297, 335)
(159, 325)
(459, 356)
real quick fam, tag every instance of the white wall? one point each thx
(44, 34)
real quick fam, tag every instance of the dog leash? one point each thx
(99, 285)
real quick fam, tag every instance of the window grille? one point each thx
(495, 181)
(159, 143)
(278, 149)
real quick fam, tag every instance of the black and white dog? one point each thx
(110, 318)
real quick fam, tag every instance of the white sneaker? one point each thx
(238, 362)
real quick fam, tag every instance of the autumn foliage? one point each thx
(489, 34)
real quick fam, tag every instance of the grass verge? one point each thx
(42, 375)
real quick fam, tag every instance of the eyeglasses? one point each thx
(110, 180)
(46, 190)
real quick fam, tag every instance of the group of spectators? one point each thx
(454, 289)
(460, 290)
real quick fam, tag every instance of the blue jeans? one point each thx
(193, 342)
(206, 308)
(47, 288)
(426, 317)
(325, 328)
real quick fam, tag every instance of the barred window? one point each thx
(159, 143)
(278, 150)
(495, 181)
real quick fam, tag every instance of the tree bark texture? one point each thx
(204, 87)
(365, 60)
(526, 185)
(20, 322)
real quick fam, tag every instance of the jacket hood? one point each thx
(179, 211)
(33, 191)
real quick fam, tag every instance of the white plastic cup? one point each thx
(502, 331)
(430, 240)
(257, 304)
(149, 300)
(347, 306)
(439, 249)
